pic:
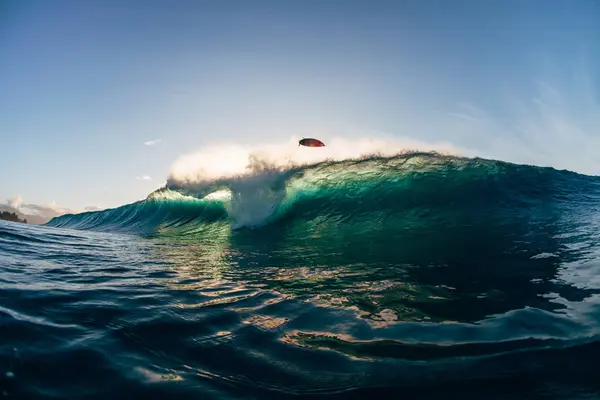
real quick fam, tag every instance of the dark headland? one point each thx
(8, 216)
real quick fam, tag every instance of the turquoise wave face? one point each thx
(370, 196)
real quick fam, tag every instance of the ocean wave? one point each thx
(365, 191)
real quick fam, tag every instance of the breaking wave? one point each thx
(369, 193)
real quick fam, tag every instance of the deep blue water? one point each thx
(417, 276)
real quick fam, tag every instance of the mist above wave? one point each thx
(226, 161)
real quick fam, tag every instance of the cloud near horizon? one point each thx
(46, 211)
(143, 178)
(41, 213)
(152, 142)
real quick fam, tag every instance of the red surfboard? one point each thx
(311, 142)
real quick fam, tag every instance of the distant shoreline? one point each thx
(7, 216)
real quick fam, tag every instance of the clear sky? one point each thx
(85, 85)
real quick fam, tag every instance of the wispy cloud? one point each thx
(557, 126)
(152, 142)
(143, 178)
(463, 116)
(92, 208)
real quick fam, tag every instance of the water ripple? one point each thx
(284, 315)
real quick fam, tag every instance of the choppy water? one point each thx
(417, 276)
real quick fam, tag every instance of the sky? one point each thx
(99, 99)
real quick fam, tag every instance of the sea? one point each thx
(413, 276)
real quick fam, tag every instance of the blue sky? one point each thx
(84, 85)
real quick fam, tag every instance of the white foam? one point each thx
(221, 161)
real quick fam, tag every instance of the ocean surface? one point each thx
(415, 276)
